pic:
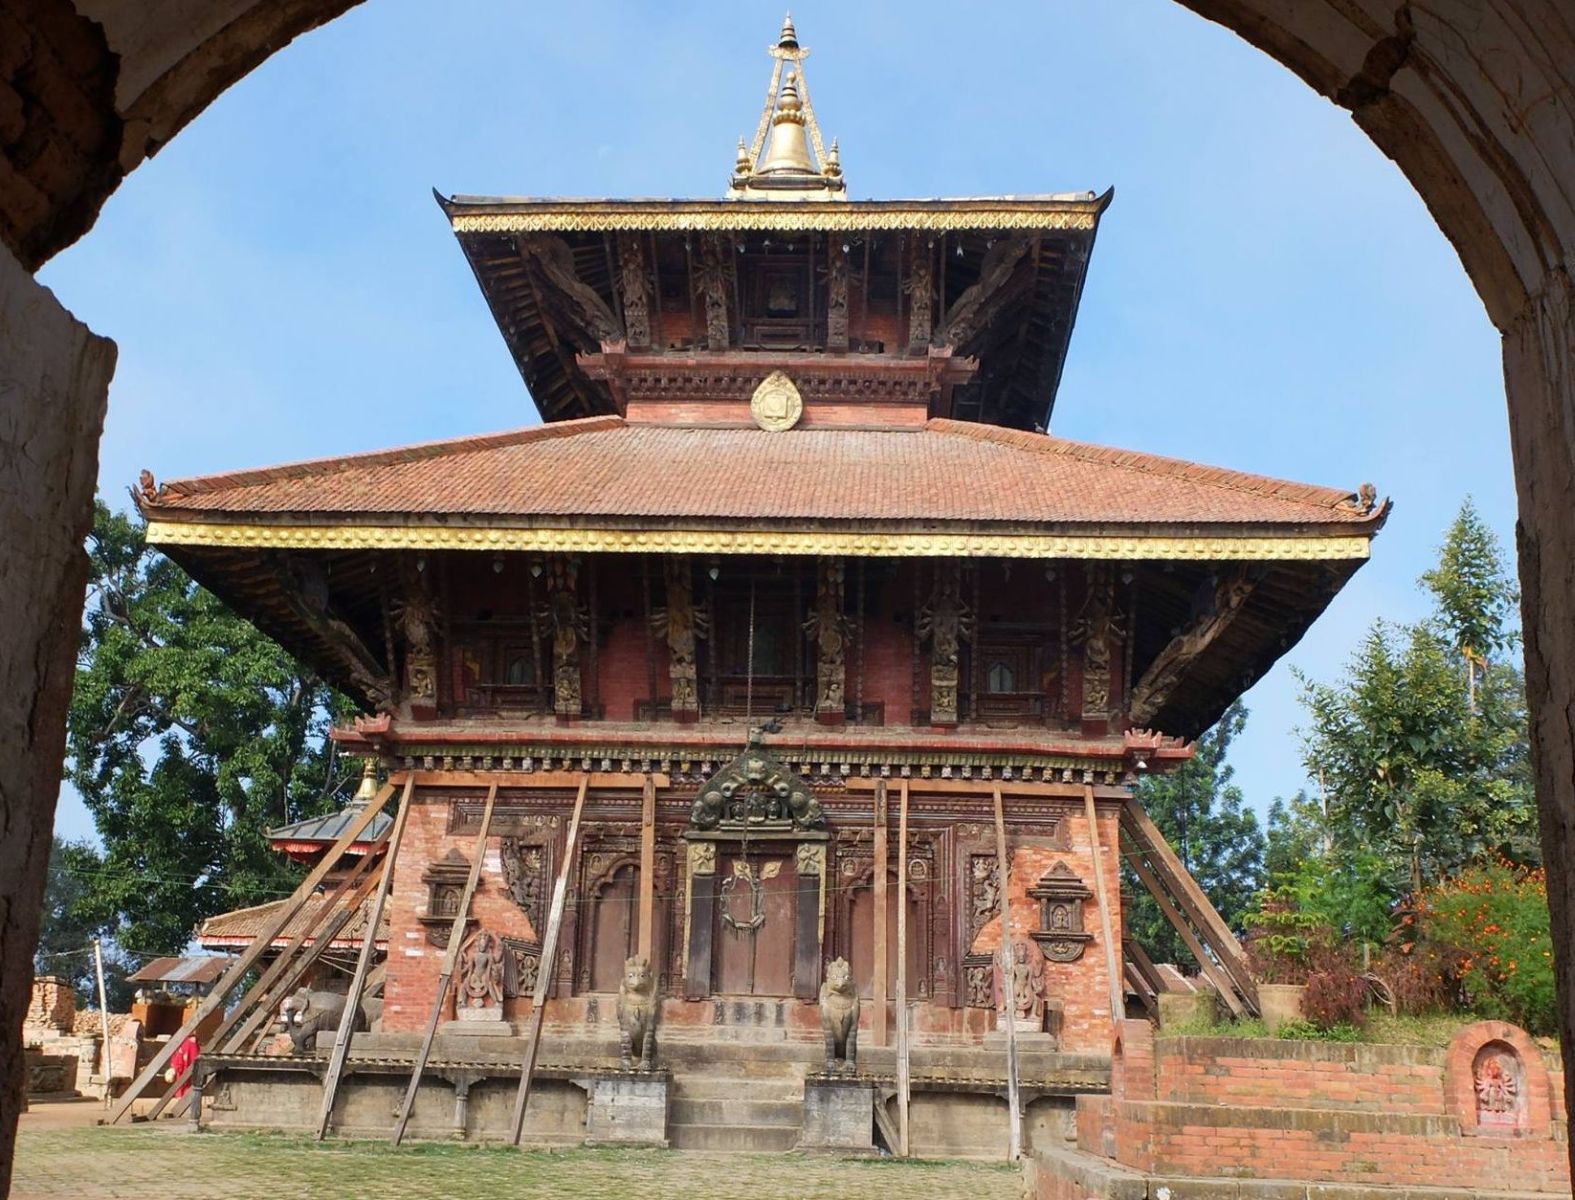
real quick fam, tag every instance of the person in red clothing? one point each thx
(185, 1056)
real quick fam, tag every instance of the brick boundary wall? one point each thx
(1327, 1112)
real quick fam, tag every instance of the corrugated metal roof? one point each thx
(201, 969)
(330, 828)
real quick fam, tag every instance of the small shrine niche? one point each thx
(445, 884)
(1499, 1081)
(1061, 895)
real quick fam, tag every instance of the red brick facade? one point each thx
(941, 915)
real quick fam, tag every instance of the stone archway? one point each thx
(1473, 99)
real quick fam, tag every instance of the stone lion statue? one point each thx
(637, 1009)
(839, 1016)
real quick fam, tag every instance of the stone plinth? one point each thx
(1189, 1009)
(626, 1108)
(479, 1022)
(839, 1114)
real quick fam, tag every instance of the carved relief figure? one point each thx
(681, 623)
(1025, 989)
(1098, 628)
(481, 973)
(524, 874)
(985, 903)
(1496, 1079)
(839, 1017)
(836, 295)
(829, 627)
(755, 789)
(636, 286)
(418, 619)
(569, 626)
(921, 289)
(637, 1012)
(980, 987)
(711, 279)
(944, 623)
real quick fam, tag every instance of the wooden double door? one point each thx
(755, 921)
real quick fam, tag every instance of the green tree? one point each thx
(190, 735)
(1203, 816)
(1422, 748)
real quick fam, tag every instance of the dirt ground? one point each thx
(61, 1152)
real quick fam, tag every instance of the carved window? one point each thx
(1001, 678)
(495, 669)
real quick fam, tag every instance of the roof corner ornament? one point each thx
(797, 165)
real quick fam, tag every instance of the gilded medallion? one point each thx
(776, 404)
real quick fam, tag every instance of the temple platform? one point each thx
(724, 1093)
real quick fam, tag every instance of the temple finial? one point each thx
(796, 166)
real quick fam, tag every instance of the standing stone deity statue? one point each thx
(1024, 989)
(481, 973)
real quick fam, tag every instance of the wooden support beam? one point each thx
(341, 1050)
(1191, 898)
(1211, 969)
(1171, 664)
(456, 934)
(647, 910)
(1008, 1014)
(878, 957)
(904, 1083)
(247, 959)
(261, 1002)
(549, 959)
(1106, 925)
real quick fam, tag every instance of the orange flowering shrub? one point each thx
(1491, 922)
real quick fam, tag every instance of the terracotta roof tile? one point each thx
(242, 926)
(603, 467)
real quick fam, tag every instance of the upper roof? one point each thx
(617, 474)
(786, 262)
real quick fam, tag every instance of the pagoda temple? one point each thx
(790, 634)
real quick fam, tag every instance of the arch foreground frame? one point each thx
(1474, 100)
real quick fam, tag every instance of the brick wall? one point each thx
(54, 1005)
(1256, 1108)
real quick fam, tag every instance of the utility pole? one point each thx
(103, 1017)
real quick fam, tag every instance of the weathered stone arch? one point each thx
(1473, 99)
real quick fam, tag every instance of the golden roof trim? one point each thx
(769, 216)
(865, 544)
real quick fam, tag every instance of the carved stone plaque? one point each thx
(776, 404)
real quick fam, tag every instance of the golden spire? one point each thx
(797, 166)
(368, 789)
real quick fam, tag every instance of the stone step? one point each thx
(786, 1113)
(742, 1139)
(725, 1087)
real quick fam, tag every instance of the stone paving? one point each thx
(61, 1154)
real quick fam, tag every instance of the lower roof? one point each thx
(681, 488)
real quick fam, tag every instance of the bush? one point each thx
(1280, 938)
(1420, 976)
(1490, 925)
(1336, 995)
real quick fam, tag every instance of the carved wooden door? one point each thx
(755, 914)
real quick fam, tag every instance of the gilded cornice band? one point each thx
(688, 541)
(750, 217)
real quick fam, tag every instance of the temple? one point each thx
(789, 635)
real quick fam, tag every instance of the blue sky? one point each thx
(1267, 292)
